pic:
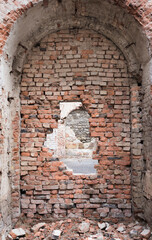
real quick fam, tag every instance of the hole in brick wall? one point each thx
(71, 141)
(23, 191)
(86, 79)
(37, 45)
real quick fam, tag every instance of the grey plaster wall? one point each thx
(147, 151)
(78, 120)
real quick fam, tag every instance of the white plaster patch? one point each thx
(60, 140)
(55, 141)
(51, 140)
(80, 165)
(67, 107)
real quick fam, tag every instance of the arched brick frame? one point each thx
(120, 27)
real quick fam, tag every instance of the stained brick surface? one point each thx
(85, 67)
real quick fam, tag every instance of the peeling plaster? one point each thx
(67, 107)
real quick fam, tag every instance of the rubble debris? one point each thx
(36, 227)
(17, 233)
(102, 225)
(56, 234)
(146, 233)
(121, 229)
(83, 229)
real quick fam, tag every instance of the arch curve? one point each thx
(101, 16)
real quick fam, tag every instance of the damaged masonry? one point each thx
(71, 142)
(75, 119)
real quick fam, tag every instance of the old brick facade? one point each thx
(96, 53)
(76, 66)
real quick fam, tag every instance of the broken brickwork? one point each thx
(128, 25)
(86, 67)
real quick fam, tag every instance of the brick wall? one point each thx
(1, 149)
(76, 66)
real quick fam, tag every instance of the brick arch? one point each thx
(40, 21)
(127, 34)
